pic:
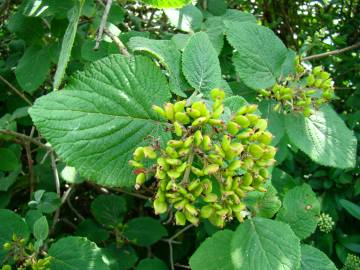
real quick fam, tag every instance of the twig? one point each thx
(24, 137)
(73, 209)
(56, 173)
(30, 165)
(322, 55)
(102, 23)
(57, 213)
(171, 241)
(137, 195)
(13, 88)
(118, 42)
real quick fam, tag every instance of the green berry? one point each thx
(140, 180)
(180, 218)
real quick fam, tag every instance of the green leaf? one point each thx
(214, 27)
(282, 181)
(167, 3)
(168, 55)
(144, 231)
(300, 210)
(352, 208)
(92, 231)
(7, 181)
(200, 64)
(76, 253)
(48, 203)
(41, 228)
(324, 137)
(234, 103)
(35, 58)
(156, 264)
(11, 224)
(216, 7)
(67, 43)
(8, 160)
(264, 204)
(123, 258)
(237, 16)
(260, 54)
(265, 244)
(214, 253)
(187, 19)
(312, 258)
(104, 113)
(109, 210)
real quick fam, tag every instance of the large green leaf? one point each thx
(312, 258)
(187, 19)
(103, 115)
(144, 231)
(260, 54)
(300, 210)
(76, 253)
(35, 58)
(67, 43)
(147, 264)
(237, 16)
(324, 137)
(214, 27)
(265, 244)
(168, 55)
(167, 3)
(201, 64)
(214, 253)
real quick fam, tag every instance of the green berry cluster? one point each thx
(325, 223)
(211, 163)
(24, 255)
(302, 92)
(352, 262)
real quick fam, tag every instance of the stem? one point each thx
(322, 55)
(118, 42)
(24, 137)
(13, 88)
(56, 174)
(102, 23)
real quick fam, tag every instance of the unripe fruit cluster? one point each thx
(302, 92)
(352, 262)
(325, 223)
(211, 163)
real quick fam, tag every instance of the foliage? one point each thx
(220, 114)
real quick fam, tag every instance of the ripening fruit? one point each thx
(217, 94)
(169, 111)
(178, 129)
(198, 137)
(160, 207)
(140, 180)
(179, 106)
(211, 169)
(180, 218)
(210, 197)
(149, 152)
(159, 110)
(139, 154)
(206, 211)
(256, 151)
(232, 127)
(182, 117)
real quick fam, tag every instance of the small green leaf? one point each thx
(214, 253)
(76, 253)
(168, 55)
(11, 224)
(155, 264)
(201, 64)
(352, 208)
(312, 258)
(300, 210)
(41, 228)
(108, 210)
(104, 113)
(167, 3)
(8, 160)
(67, 43)
(46, 202)
(260, 54)
(324, 137)
(92, 231)
(264, 204)
(265, 244)
(187, 19)
(144, 231)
